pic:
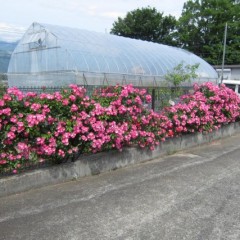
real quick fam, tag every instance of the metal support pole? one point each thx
(224, 50)
(153, 99)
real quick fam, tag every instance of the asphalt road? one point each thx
(193, 194)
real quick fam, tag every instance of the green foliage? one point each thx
(171, 90)
(181, 73)
(201, 29)
(2, 89)
(146, 24)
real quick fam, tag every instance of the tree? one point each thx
(201, 29)
(146, 24)
(172, 88)
(181, 73)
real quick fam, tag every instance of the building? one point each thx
(50, 55)
(229, 72)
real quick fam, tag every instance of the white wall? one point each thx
(236, 73)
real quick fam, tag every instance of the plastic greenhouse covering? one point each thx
(50, 55)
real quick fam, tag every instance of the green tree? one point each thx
(172, 88)
(181, 73)
(146, 24)
(201, 29)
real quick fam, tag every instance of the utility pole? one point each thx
(224, 50)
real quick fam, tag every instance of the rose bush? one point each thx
(53, 127)
(38, 127)
(207, 108)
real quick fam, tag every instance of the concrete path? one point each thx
(193, 194)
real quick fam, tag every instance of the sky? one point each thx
(95, 15)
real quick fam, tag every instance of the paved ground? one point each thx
(191, 195)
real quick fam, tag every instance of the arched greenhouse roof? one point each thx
(60, 48)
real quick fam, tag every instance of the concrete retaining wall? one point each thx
(107, 161)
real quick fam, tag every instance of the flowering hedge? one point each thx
(206, 109)
(52, 127)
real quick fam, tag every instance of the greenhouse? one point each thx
(52, 56)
